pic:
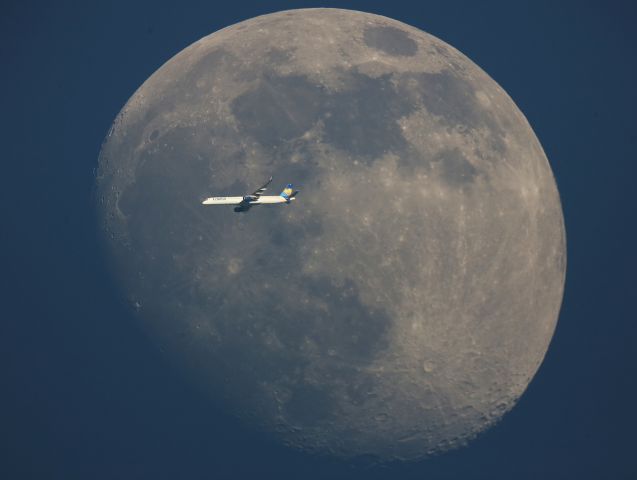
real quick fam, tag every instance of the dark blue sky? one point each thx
(84, 395)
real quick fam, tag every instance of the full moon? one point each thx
(402, 304)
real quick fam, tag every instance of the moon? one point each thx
(403, 303)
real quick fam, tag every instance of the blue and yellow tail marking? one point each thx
(287, 192)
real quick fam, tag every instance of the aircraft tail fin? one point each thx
(289, 193)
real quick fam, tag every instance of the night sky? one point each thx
(84, 392)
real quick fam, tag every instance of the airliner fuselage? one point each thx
(243, 204)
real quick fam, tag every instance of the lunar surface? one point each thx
(402, 304)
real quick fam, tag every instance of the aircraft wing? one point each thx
(257, 193)
(242, 202)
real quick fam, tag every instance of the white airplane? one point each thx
(243, 204)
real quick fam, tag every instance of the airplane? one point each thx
(243, 204)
